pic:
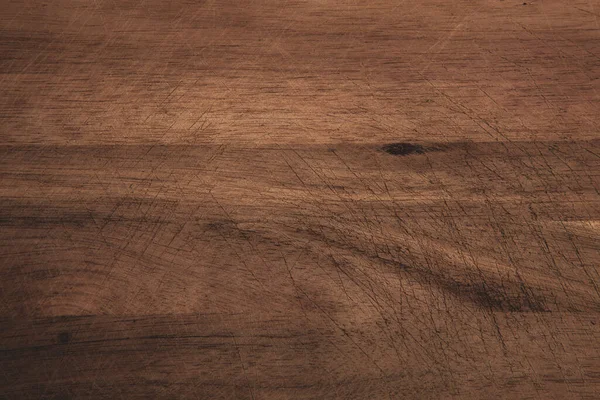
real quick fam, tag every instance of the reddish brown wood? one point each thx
(301, 199)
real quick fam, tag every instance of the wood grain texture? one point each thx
(301, 199)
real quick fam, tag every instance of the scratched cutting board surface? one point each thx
(299, 199)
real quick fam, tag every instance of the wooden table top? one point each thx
(299, 199)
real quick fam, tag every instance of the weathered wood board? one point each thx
(300, 199)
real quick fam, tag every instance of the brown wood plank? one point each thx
(301, 199)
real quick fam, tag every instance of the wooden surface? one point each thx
(299, 200)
